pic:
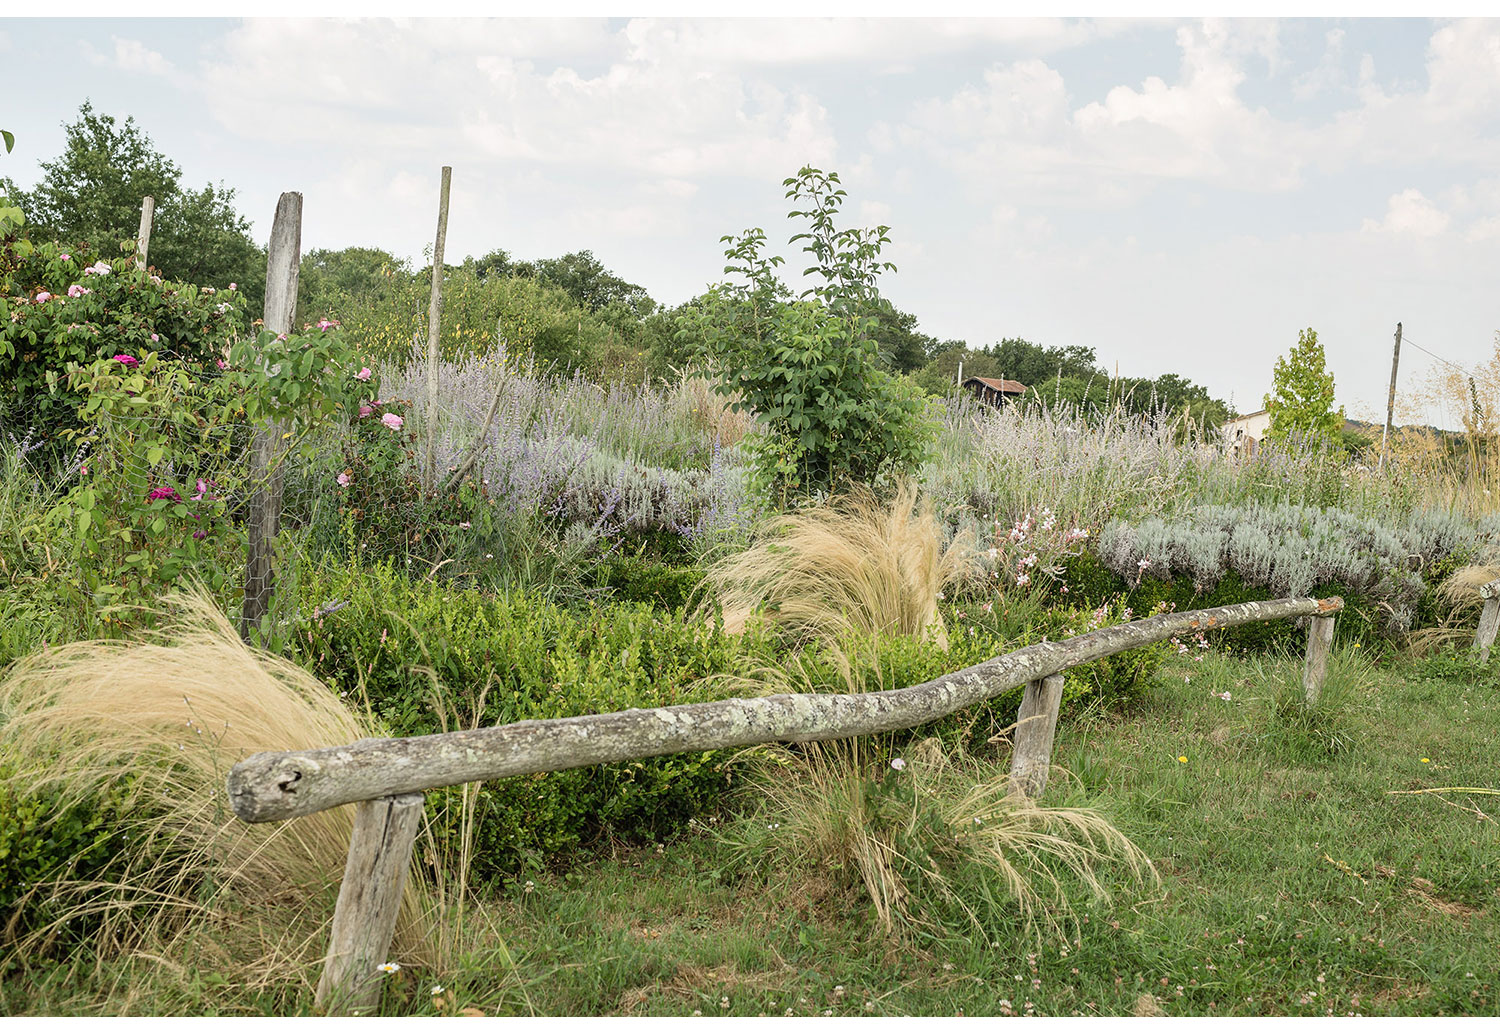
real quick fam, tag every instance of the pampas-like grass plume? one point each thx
(163, 721)
(855, 565)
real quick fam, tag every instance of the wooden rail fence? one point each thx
(385, 777)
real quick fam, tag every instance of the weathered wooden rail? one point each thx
(385, 777)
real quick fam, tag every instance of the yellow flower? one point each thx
(1182, 758)
(1426, 761)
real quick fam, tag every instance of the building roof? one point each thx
(1005, 387)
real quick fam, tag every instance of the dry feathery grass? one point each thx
(856, 564)
(1460, 593)
(954, 835)
(162, 721)
(949, 824)
(710, 411)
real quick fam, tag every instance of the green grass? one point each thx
(1299, 877)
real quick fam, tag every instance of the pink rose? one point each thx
(43, 296)
(364, 411)
(130, 362)
(222, 364)
(343, 480)
(78, 291)
(155, 338)
(392, 421)
(64, 257)
(234, 287)
(363, 374)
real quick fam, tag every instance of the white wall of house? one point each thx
(1242, 436)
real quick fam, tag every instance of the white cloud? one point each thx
(131, 56)
(1409, 213)
(890, 42)
(1329, 73)
(469, 90)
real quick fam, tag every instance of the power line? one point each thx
(1407, 340)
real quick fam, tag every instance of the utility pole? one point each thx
(1390, 401)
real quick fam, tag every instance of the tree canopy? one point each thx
(92, 193)
(1301, 399)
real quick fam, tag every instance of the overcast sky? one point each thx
(1180, 195)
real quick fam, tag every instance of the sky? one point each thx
(1180, 194)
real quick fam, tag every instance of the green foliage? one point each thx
(59, 307)
(809, 369)
(428, 656)
(640, 579)
(92, 192)
(45, 836)
(152, 505)
(1301, 399)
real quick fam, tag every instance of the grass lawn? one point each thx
(1298, 876)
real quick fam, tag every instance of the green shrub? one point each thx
(428, 657)
(639, 579)
(44, 838)
(71, 306)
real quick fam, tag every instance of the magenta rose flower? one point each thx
(130, 362)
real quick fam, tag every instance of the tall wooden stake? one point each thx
(284, 258)
(434, 319)
(143, 235)
(369, 902)
(1390, 400)
(1036, 725)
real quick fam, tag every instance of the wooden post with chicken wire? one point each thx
(285, 255)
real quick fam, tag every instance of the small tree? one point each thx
(809, 369)
(1301, 400)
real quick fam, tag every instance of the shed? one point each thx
(994, 390)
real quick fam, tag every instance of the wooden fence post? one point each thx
(1036, 725)
(434, 323)
(1319, 646)
(1489, 620)
(369, 902)
(285, 256)
(143, 235)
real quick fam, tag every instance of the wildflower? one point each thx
(43, 296)
(1144, 563)
(389, 967)
(363, 374)
(343, 479)
(163, 493)
(464, 525)
(1182, 759)
(392, 421)
(437, 989)
(529, 887)
(900, 763)
(1426, 761)
(1023, 580)
(200, 534)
